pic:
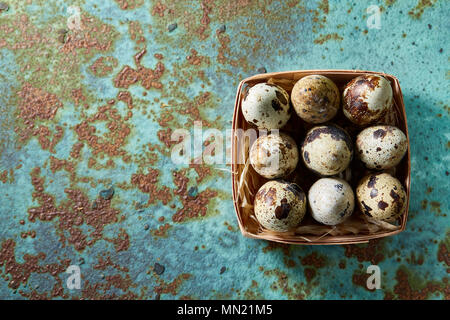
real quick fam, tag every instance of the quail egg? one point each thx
(331, 201)
(315, 98)
(381, 196)
(367, 98)
(280, 205)
(266, 106)
(381, 147)
(327, 150)
(274, 155)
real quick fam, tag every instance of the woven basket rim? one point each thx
(332, 240)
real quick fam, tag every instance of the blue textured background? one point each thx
(204, 256)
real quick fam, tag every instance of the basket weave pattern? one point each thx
(246, 182)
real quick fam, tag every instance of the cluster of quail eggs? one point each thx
(327, 150)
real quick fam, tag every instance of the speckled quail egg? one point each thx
(381, 147)
(381, 196)
(280, 205)
(367, 98)
(327, 150)
(266, 106)
(315, 98)
(331, 201)
(274, 155)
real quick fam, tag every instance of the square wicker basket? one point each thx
(246, 182)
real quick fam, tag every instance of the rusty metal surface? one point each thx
(86, 178)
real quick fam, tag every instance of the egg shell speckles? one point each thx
(266, 106)
(315, 98)
(280, 205)
(366, 99)
(331, 201)
(274, 155)
(381, 147)
(381, 196)
(327, 150)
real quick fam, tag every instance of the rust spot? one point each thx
(313, 260)
(324, 6)
(125, 97)
(77, 96)
(129, 4)
(103, 66)
(136, 32)
(418, 10)
(76, 212)
(147, 183)
(103, 263)
(21, 272)
(148, 78)
(443, 254)
(373, 251)
(271, 246)
(159, 9)
(171, 287)
(76, 149)
(110, 143)
(191, 207)
(37, 104)
(292, 291)
(289, 263)
(435, 206)
(360, 279)
(121, 242)
(4, 176)
(165, 137)
(424, 204)
(202, 171)
(310, 274)
(194, 58)
(326, 37)
(405, 291)
(162, 230)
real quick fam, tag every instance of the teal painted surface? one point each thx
(410, 45)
